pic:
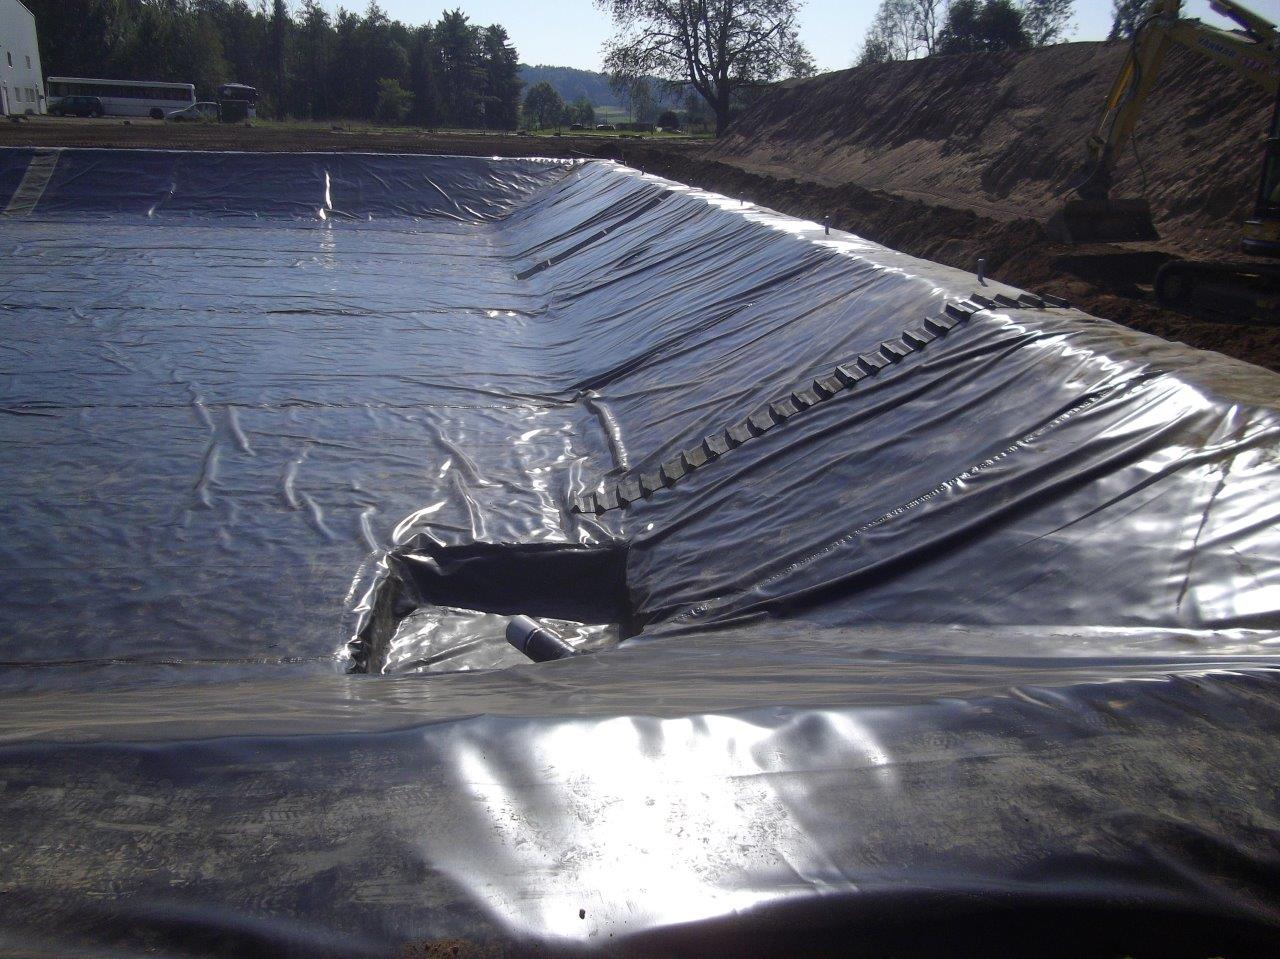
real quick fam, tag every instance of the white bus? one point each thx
(126, 98)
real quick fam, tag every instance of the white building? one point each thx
(21, 83)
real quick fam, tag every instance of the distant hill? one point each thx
(572, 83)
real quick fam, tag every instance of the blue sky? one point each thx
(570, 32)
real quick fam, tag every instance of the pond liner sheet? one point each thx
(942, 620)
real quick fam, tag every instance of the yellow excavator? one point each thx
(1246, 291)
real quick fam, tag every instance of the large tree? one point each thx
(983, 27)
(461, 70)
(1125, 17)
(424, 71)
(581, 111)
(542, 106)
(393, 102)
(1046, 21)
(723, 49)
(501, 80)
(635, 94)
(901, 30)
(280, 24)
(380, 55)
(314, 55)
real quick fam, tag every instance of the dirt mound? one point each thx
(1004, 134)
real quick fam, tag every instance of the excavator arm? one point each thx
(1251, 51)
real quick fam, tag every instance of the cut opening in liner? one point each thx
(433, 588)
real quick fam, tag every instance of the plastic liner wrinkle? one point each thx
(979, 608)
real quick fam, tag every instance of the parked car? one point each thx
(76, 107)
(576, 126)
(605, 126)
(205, 111)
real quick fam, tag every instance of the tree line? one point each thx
(305, 62)
(573, 84)
(906, 29)
(309, 64)
(544, 108)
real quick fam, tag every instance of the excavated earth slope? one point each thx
(1003, 135)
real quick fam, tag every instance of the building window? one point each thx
(28, 63)
(10, 56)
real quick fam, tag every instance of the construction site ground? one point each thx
(1109, 281)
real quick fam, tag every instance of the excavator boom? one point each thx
(1262, 230)
(1236, 292)
(1253, 52)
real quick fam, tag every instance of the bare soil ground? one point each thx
(959, 157)
(144, 134)
(1111, 282)
(1004, 135)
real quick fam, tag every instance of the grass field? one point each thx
(342, 137)
(367, 127)
(629, 134)
(305, 128)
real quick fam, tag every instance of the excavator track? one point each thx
(1227, 292)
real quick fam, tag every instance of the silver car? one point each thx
(206, 111)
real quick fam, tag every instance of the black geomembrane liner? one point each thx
(912, 614)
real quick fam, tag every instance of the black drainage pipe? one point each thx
(538, 642)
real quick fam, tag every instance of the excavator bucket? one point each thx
(1102, 221)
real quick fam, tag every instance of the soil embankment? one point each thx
(1004, 135)
(956, 158)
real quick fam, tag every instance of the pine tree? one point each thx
(424, 57)
(278, 29)
(502, 80)
(304, 61)
(461, 73)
